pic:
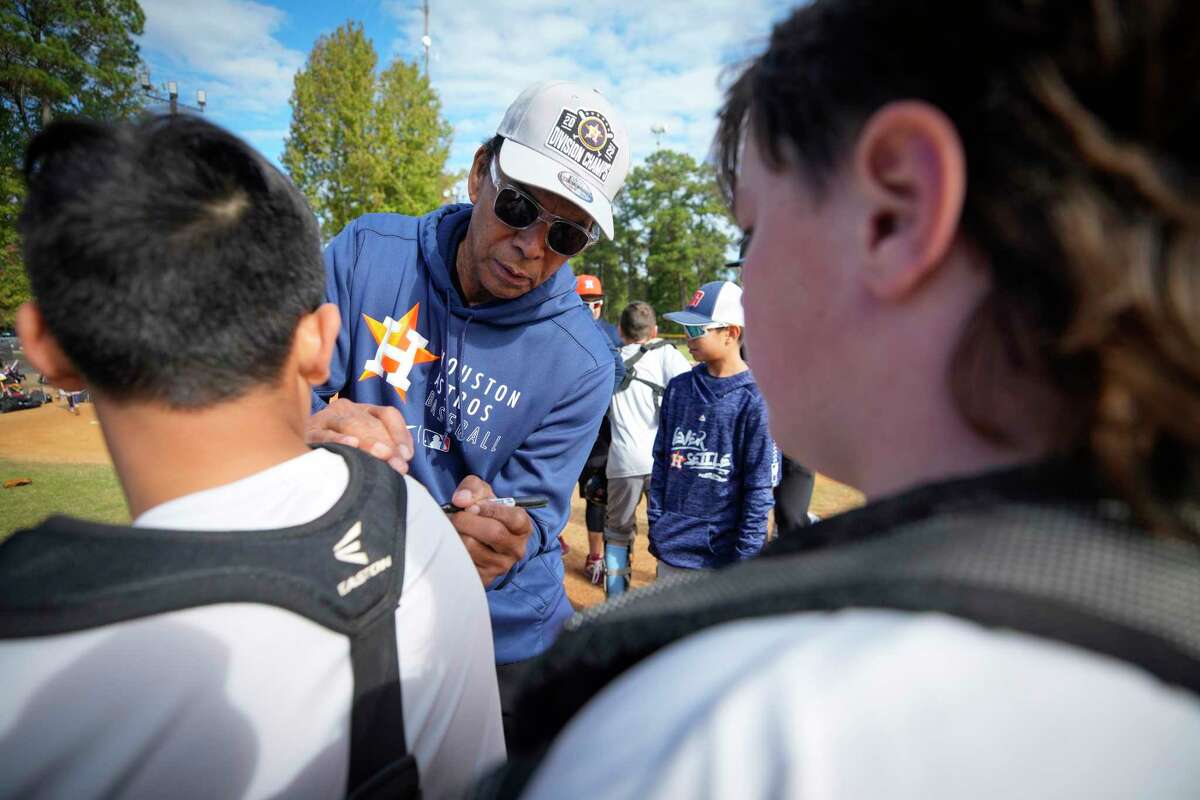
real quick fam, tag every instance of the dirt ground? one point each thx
(52, 434)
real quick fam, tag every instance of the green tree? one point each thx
(673, 234)
(362, 141)
(57, 58)
(14, 284)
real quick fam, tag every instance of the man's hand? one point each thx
(378, 430)
(495, 536)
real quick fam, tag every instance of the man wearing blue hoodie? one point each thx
(466, 358)
(715, 464)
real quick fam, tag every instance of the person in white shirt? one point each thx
(971, 291)
(650, 364)
(246, 636)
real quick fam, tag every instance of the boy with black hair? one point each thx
(715, 464)
(244, 637)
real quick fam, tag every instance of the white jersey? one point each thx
(257, 703)
(872, 703)
(633, 413)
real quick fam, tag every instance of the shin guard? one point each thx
(617, 570)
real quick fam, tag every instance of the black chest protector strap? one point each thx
(1074, 573)
(343, 571)
(631, 376)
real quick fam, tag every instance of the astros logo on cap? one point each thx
(584, 136)
(592, 131)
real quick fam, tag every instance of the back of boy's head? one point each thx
(637, 320)
(170, 261)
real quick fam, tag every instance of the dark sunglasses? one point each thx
(518, 210)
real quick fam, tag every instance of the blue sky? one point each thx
(659, 62)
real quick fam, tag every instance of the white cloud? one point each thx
(658, 62)
(229, 49)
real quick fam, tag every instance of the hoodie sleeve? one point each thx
(615, 350)
(341, 255)
(620, 367)
(759, 461)
(550, 458)
(658, 471)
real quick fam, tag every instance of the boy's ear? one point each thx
(43, 351)
(313, 344)
(909, 161)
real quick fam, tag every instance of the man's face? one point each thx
(594, 302)
(801, 306)
(498, 262)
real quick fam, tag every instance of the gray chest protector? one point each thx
(1032, 550)
(344, 571)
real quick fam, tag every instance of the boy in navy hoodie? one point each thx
(714, 461)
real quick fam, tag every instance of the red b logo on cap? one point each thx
(696, 298)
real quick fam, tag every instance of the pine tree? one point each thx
(360, 141)
(57, 58)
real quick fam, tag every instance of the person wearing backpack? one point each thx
(650, 364)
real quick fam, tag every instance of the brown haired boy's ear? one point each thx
(909, 161)
(43, 351)
(314, 340)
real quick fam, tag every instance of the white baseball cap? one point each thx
(569, 140)
(716, 302)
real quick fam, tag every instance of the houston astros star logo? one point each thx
(677, 460)
(400, 348)
(592, 132)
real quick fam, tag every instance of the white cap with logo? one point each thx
(567, 139)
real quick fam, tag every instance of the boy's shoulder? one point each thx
(683, 381)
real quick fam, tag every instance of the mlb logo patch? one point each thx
(435, 441)
(696, 298)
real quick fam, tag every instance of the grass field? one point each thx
(90, 491)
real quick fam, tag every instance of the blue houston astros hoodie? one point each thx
(512, 391)
(715, 465)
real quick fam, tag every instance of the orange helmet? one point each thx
(588, 285)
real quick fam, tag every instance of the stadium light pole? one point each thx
(658, 129)
(172, 96)
(425, 40)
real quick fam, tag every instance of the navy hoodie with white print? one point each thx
(512, 390)
(715, 466)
